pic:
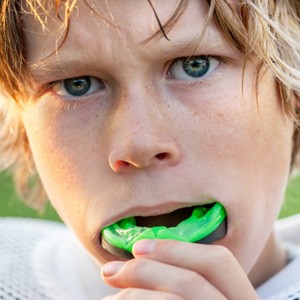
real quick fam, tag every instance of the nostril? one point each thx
(161, 156)
(121, 163)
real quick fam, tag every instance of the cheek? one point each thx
(240, 152)
(63, 161)
(61, 151)
(256, 164)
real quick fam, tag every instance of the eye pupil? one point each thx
(196, 67)
(77, 86)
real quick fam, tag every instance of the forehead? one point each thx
(130, 20)
(127, 11)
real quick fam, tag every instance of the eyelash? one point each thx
(74, 101)
(65, 102)
(217, 60)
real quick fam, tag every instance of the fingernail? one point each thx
(144, 247)
(112, 268)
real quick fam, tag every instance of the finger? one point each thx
(138, 294)
(157, 276)
(215, 263)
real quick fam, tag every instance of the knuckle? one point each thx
(137, 266)
(223, 255)
(191, 280)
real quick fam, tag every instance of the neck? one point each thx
(272, 260)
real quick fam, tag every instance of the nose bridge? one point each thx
(141, 115)
(141, 134)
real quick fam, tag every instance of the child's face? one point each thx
(143, 134)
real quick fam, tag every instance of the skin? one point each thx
(147, 142)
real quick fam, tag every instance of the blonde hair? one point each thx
(269, 30)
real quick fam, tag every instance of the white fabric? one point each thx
(42, 260)
(286, 283)
(288, 229)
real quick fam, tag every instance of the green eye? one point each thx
(193, 68)
(78, 86)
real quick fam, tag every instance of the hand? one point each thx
(165, 269)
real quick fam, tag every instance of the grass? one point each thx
(10, 205)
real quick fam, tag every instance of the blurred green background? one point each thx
(10, 205)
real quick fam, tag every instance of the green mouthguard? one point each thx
(203, 221)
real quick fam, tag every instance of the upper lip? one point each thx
(148, 211)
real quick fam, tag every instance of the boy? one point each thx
(110, 101)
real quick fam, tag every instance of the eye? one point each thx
(192, 68)
(78, 86)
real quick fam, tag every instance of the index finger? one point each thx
(215, 263)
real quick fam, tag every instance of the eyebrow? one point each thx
(183, 44)
(50, 67)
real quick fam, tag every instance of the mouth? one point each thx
(199, 224)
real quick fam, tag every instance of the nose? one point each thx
(137, 153)
(142, 138)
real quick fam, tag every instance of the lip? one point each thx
(149, 211)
